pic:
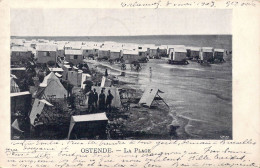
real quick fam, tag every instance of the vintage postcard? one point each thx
(130, 84)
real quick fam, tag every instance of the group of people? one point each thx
(102, 100)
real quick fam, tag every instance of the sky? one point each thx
(119, 22)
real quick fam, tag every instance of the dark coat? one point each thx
(95, 96)
(109, 98)
(102, 99)
(91, 98)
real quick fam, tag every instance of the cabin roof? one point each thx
(130, 52)
(219, 50)
(19, 49)
(89, 117)
(20, 93)
(73, 52)
(47, 47)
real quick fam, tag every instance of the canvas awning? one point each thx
(86, 118)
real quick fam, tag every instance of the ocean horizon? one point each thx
(216, 41)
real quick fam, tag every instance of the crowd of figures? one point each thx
(100, 101)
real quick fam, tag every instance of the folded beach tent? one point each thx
(38, 108)
(150, 94)
(15, 125)
(86, 118)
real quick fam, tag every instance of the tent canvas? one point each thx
(116, 102)
(149, 95)
(15, 125)
(36, 109)
(105, 82)
(86, 118)
(50, 77)
(14, 86)
(55, 88)
(84, 77)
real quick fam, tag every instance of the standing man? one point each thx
(95, 98)
(90, 101)
(102, 100)
(109, 100)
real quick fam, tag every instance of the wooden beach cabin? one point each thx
(19, 72)
(88, 126)
(88, 51)
(153, 51)
(206, 54)
(61, 52)
(21, 101)
(74, 56)
(130, 55)
(115, 53)
(74, 78)
(46, 53)
(193, 52)
(19, 54)
(177, 56)
(142, 53)
(219, 54)
(169, 47)
(103, 53)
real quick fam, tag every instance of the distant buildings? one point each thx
(74, 56)
(115, 53)
(206, 54)
(177, 54)
(46, 53)
(103, 52)
(130, 55)
(20, 53)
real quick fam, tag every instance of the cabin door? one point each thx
(172, 56)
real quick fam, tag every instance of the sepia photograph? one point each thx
(113, 74)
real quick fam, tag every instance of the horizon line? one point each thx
(119, 35)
